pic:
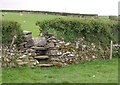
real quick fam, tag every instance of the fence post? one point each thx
(111, 45)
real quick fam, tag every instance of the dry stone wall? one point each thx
(47, 51)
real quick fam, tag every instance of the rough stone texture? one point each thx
(40, 41)
(51, 45)
(29, 43)
(41, 57)
(49, 51)
(45, 65)
(58, 52)
(28, 35)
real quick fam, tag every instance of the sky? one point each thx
(100, 7)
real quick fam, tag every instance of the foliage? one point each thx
(94, 30)
(11, 29)
(113, 18)
(27, 20)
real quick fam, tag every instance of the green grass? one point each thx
(30, 18)
(0, 76)
(105, 71)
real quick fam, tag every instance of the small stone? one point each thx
(62, 42)
(57, 46)
(52, 52)
(22, 63)
(55, 41)
(67, 44)
(41, 57)
(39, 48)
(93, 57)
(12, 54)
(45, 65)
(23, 56)
(58, 64)
(36, 62)
(51, 45)
(55, 59)
(18, 60)
(84, 46)
(59, 53)
(71, 55)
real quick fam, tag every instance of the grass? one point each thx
(27, 20)
(103, 71)
(0, 76)
(88, 72)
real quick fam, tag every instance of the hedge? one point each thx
(93, 30)
(9, 30)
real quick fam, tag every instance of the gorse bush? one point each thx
(9, 30)
(93, 30)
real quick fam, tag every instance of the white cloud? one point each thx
(101, 7)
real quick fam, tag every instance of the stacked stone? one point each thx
(9, 56)
(60, 52)
(41, 56)
(86, 51)
(26, 58)
(0, 55)
(28, 41)
(49, 51)
(116, 49)
(26, 51)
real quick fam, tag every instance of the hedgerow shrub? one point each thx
(9, 30)
(113, 18)
(93, 30)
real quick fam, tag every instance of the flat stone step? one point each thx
(41, 57)
(22, 63)
(39, 48)
(45, 65)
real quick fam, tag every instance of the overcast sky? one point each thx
(100, 7)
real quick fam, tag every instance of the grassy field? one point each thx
(27, 20)
(104, 71)
(88, 72)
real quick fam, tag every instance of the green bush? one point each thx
(9, 30)
(94, 30)
(113, 18)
